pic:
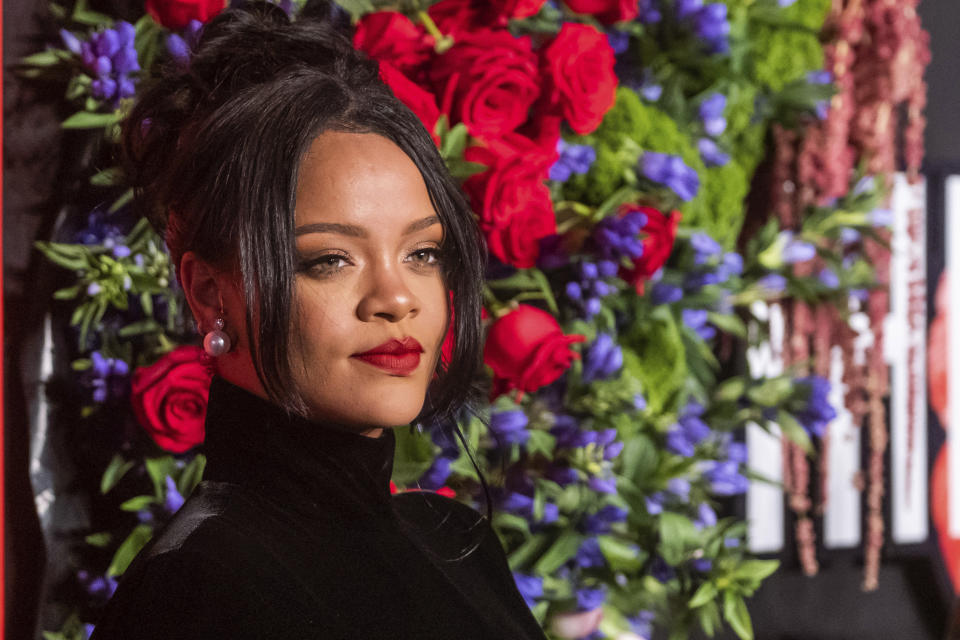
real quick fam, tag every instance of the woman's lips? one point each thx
(397, 357)
(401, 364)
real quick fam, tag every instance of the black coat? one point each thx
(293, 533)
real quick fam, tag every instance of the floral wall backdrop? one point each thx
(651, 177)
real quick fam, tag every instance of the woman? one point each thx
(323, 249)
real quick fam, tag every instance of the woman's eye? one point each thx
(327, 265)
(428, 256)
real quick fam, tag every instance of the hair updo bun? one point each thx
(212, 151)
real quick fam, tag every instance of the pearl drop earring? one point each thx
(217, 342)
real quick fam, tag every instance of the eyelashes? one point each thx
(333, 263)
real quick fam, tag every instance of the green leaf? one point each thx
(414, 455)
(541, 442)
(755, 571)
(794, 431)
(87, 120)
(706, 593)
(620, 555)
(46, 58)
(191, 475)
(107, 178)
(137, 503)
(675, 531)
(129, 548)
(68, 293)
(563, 549)
(530, 549)
(356, 8)
(159, 469)
(125, 197)
(730, 390)
(455, 142)
(736, 614)
(140, 327)
(114, 471)
(728, 323)
(546, 289)
(98, 539)
(511, 522)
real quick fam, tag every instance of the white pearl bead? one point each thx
(216, 343)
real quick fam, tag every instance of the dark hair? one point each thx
(213, 151)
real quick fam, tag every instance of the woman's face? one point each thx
(370, 307)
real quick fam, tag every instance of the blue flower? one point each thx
(654, 502)
(730, 265)
(796, 250)
(687, 8)
(711, 114)
(706, 517)
(589, 554)
(173, 500)
(110, 56)
(603, 359)
(664, 293)
(773, 283)
(660, 570)
(552, 253)
(180, 47)
(601, 521)
(603, 485)
(818, 412)
(672, 172)
(587, 293)
(678, 443)
(436, 475)
(100, 587)
(649, 12)
(618, 40)
(642, 623)
(563, 476)
(881, 218)
(574, 158)
(711, 26)
(725, 478)
(639, 402)
(107, 376)
(703, 565)
(704, 247)
(679, 488)
(568, 433)
(616, 238)
(589, 599)
(510, 427)
(711, 153)
(530, 587)
(696, 319)
(828, 278)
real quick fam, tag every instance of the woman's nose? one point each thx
(386, 294)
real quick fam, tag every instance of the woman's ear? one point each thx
(202, 287)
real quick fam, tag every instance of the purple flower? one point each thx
(589, 599)
(71, 42)
(796, 250)
(651, 92)
(773, 283)
(642, 623)
(612, 450)
(563, 476)
(615, 238)
(704, 247)
(737, 451)
(711, 114)
(821, 76)
(522, 505)
(706, 517)
(100, 587)
(731, 264)
(849, 236)
(818, 412)
(679, 488)
(725, 478)
(603, 485)
(828, 278)
(568, 433)
(603, 359)
(696, 319)
(660, 570)
(703, 565)
(672, 172)
(679, 443)
(881, 217)
(107, 376)
(552, 253)
(618, 40)
(173, 500)
(178, 49)
(574, 158)
(654, 502)
(586, 294)
(601, 521)
(649, 12)
(110, 56)
(860, 294)
(664, 293)
(687, 8)
(510, 427)
(639, 402)
(701, 278)
(711, 26)
(436, 475)
(589, 554)
(530, 587)
(712, 155)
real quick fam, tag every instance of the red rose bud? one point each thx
(389, 36)
(606, 11)
(579, 66)
(170, 398)
(659, 235)
(517, 8)
(487, 80)
(421, 102)
(176, 14)
(527, 350)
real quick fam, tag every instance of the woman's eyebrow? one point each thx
(360, 232)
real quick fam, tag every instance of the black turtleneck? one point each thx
(293, 533)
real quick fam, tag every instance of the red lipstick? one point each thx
(396, 357)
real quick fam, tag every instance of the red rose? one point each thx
(606, 11)
(458, 17)
(579, 65)
(421, 102)
(487, 80)
(170, 398)
(526, 350)
(660, 233)
(511, 199)
(389, 36)
(176, 14)
(517, 8)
